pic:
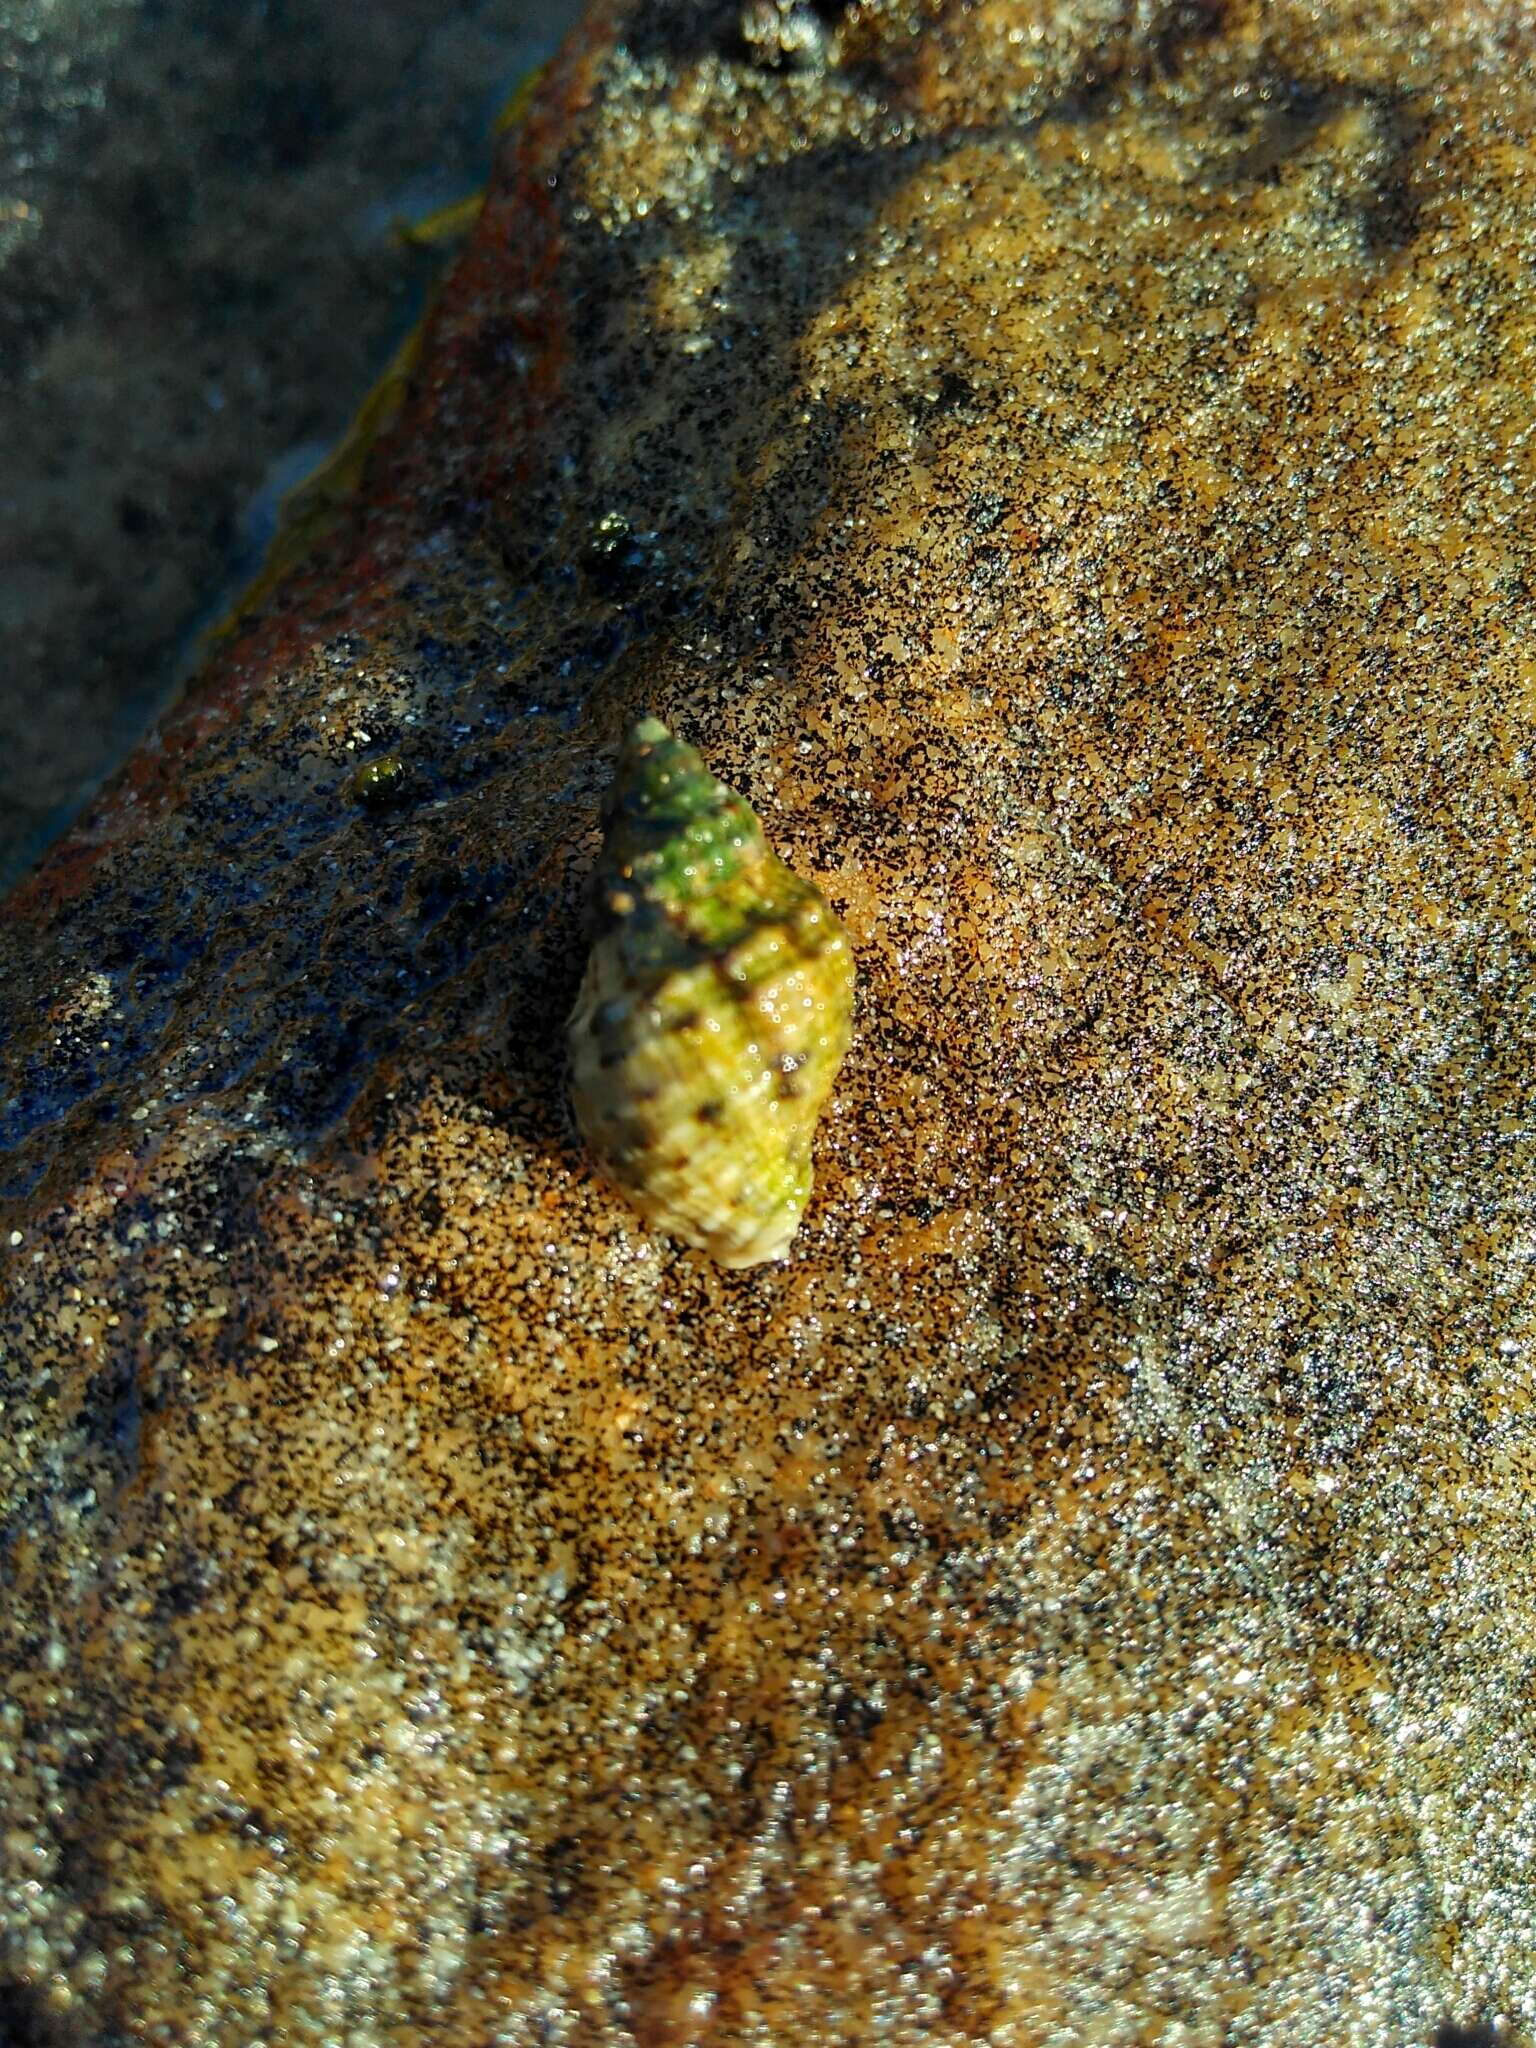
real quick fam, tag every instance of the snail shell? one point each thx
(715, 1011)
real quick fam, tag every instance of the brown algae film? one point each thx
(715, 1011)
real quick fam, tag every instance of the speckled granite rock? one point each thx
(1077, 465)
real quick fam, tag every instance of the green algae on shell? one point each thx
(715, 1010)
(378, 782)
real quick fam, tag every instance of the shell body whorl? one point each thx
(716, 1007)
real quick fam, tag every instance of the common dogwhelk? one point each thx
(716, 1008)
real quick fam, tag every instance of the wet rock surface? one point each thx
(201, 274)
(1068, 470)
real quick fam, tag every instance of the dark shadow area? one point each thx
(202, 277)
(23, 2022)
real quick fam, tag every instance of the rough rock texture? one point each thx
(1077, 464)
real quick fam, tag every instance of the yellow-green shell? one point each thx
(715, 1011)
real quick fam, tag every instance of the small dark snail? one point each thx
(716, 1009)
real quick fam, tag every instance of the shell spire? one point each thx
(715, 1010)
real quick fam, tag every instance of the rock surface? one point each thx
(200, 277)
(1076, 464)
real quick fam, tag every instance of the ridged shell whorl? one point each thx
(716, 1008)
